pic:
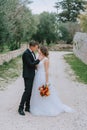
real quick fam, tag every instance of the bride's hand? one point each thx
(47, 83)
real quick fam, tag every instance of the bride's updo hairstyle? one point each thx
(44, 50)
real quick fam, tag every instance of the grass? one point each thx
(10, 71)
(5, 49)
(78, 66)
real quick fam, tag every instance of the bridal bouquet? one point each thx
(44, 90)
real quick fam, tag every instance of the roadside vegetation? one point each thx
(10, 71)
(79, 68)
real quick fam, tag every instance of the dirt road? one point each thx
(71, 92)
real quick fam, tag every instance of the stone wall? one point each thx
(12, 54)
(61, 47)
(80, 46)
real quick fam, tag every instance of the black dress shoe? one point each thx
(27, 109)
(21, 112)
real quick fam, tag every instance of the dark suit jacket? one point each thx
(29, 64)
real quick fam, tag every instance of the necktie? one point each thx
(34, 55)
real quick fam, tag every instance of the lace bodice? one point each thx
(40, 66)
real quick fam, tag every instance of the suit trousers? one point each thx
(27, 93)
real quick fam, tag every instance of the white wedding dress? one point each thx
(45, 106)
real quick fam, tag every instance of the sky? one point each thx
(38, 6)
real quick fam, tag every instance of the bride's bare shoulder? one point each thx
(46, 59)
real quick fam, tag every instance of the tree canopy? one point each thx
(70, 9)
(46, 28)
(16, 22)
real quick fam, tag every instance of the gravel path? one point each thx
(71, 92)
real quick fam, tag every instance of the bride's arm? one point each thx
(46, 65)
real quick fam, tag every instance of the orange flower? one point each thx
(44, 90)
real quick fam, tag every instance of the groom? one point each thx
(29, 63)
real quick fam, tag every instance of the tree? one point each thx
(83, 19)
(17, 23)
(2, 24)
(83, 22)
(46, 28)
(64, 34)
(71, 9)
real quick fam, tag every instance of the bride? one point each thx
(45, 105)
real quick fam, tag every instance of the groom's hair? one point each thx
(33, 43)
